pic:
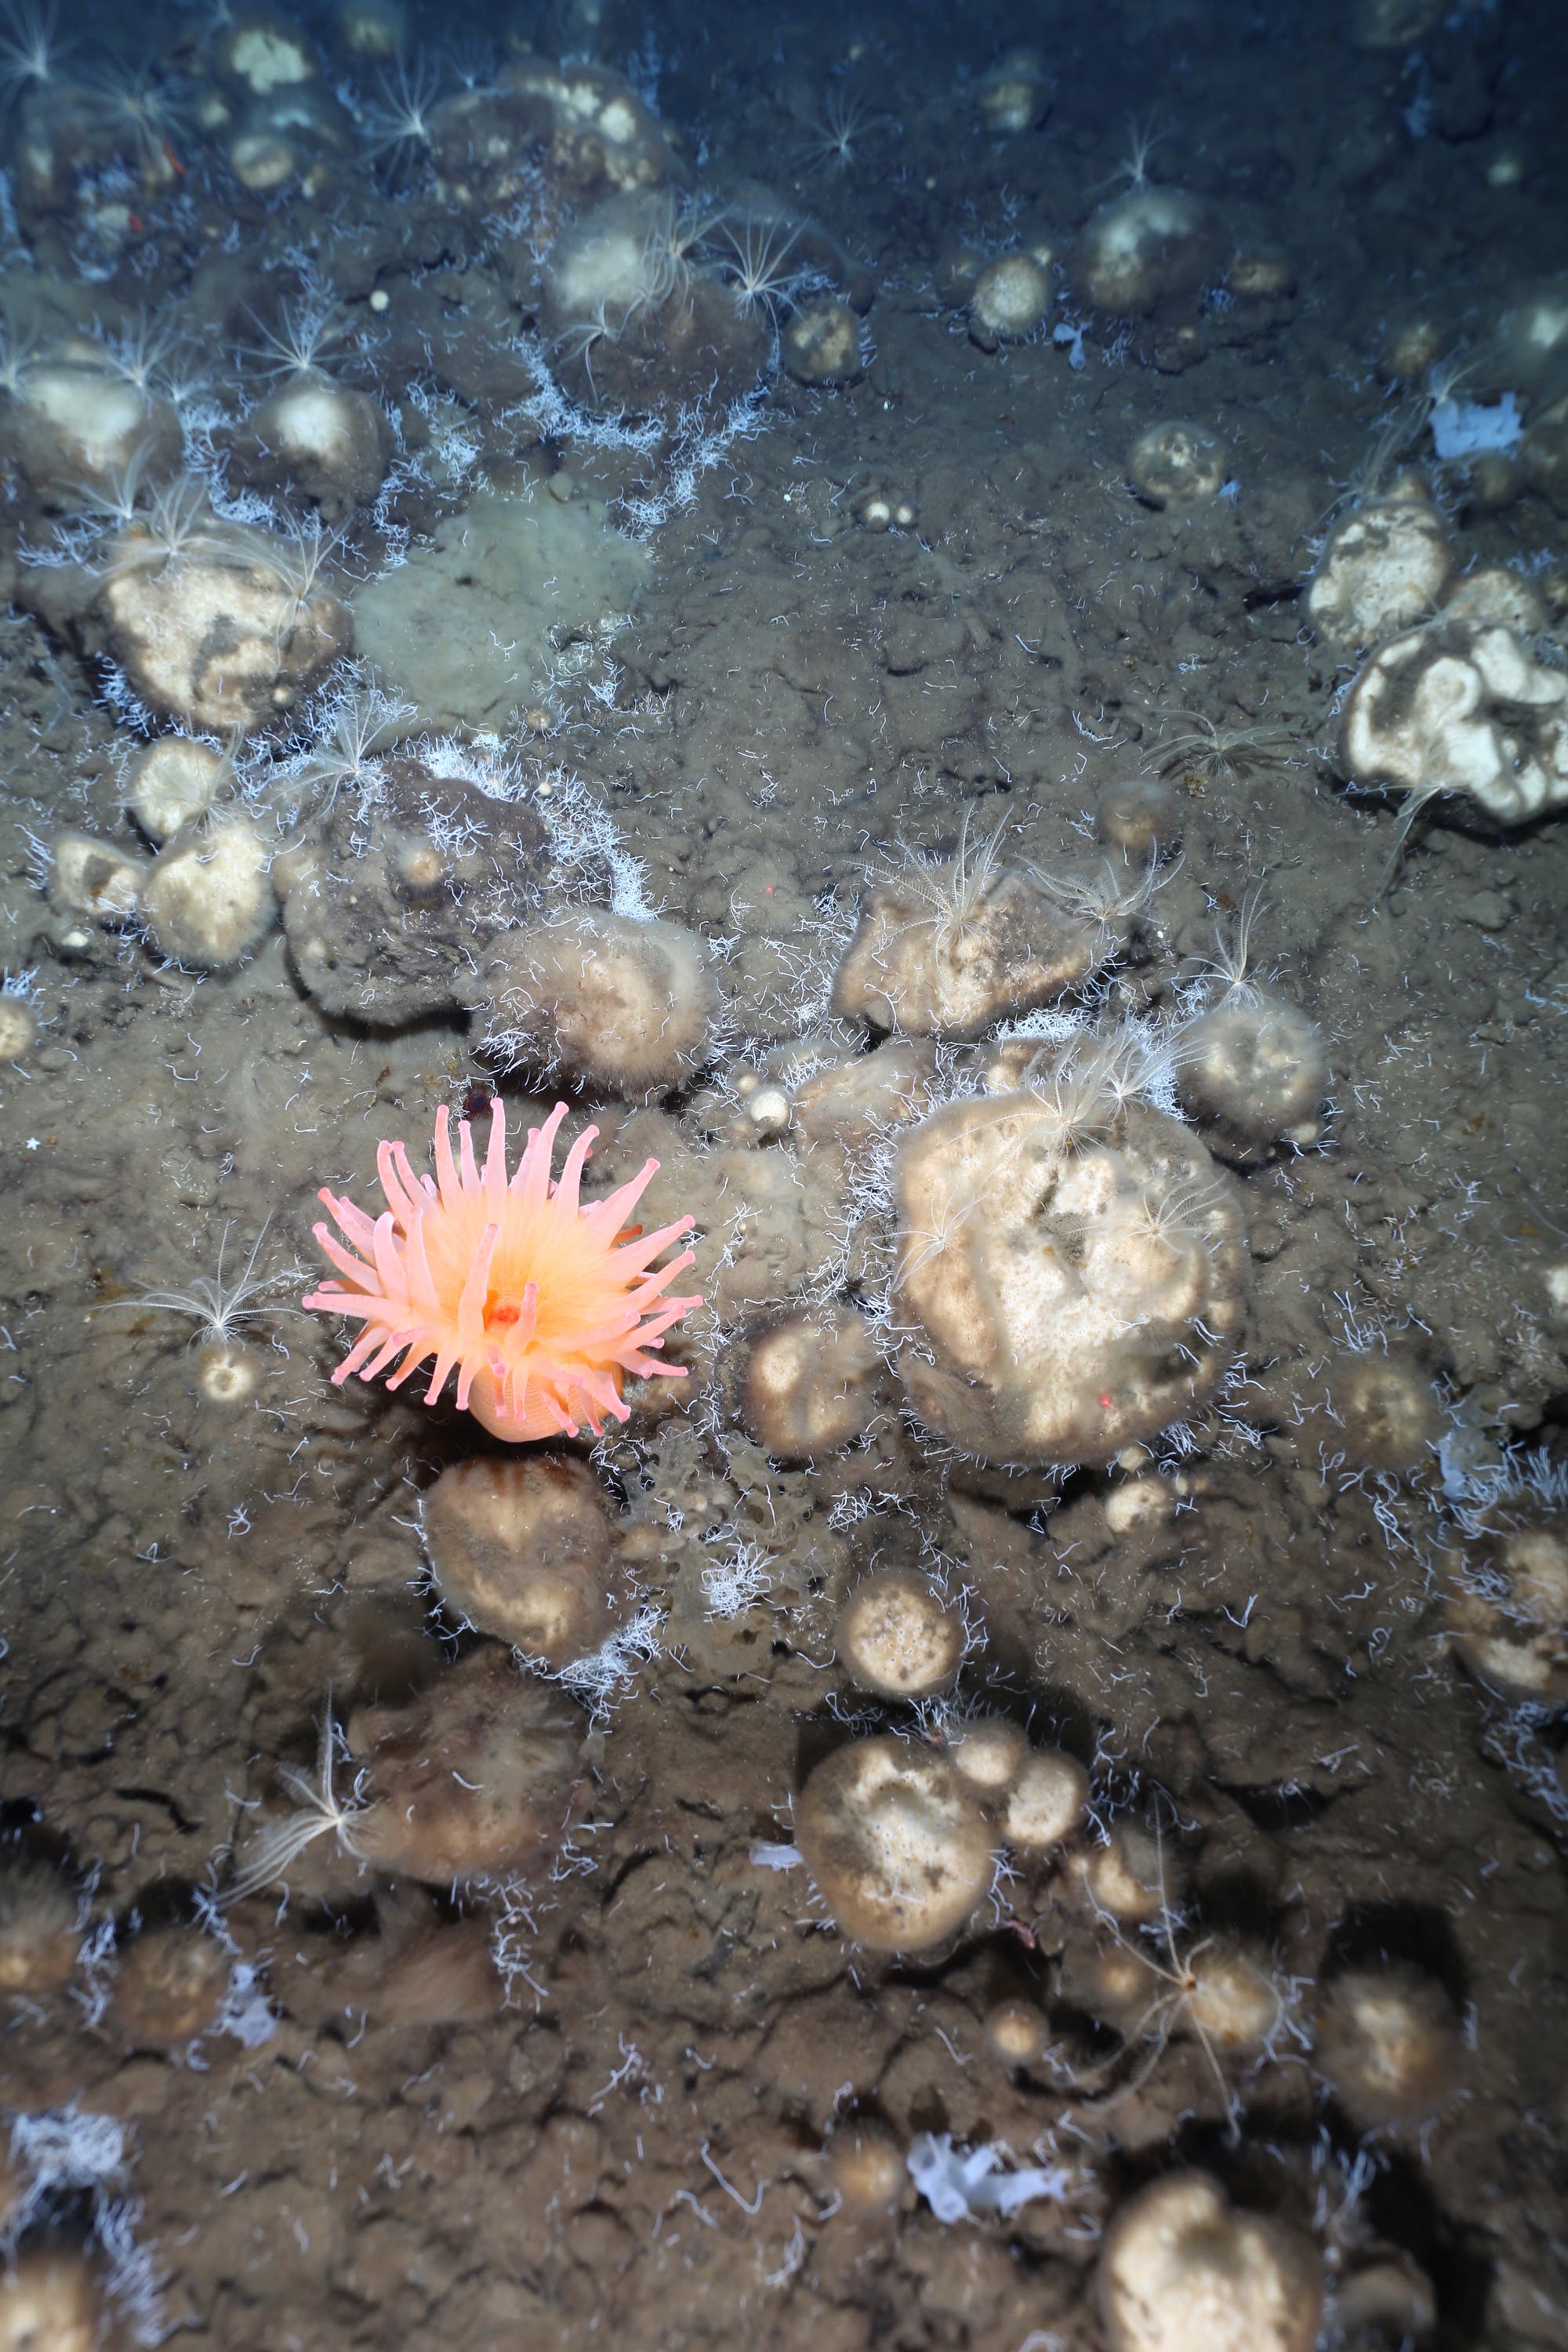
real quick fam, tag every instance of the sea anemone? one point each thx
(542, 1304)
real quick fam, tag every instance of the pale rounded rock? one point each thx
(1184, 2271)
(325, 440)
(1234, 2001)
(1139, 1504)
(49, 2302)
(604, 997)
(808, 1388)
(1254, 1068)
(899, 1637)
(1128, 1876)
(471, 1780)
(1380, 1409)
(1460, 706)
(821, 344)
(850, 1102)
(95, 879)
(263, 52)
(988, 1752)
(1015, 95)
(1388, 2042)
(1534, 335)
(40, 1935)
(896, 1846)
(1506, 1612)
(524, 1549)
(1492, 594)
(1064, 1294)
(73, 424)
(1141, 819)
(1259, 273)
(1385, 566)
(942, 952)
(229, 1373)
(224, 640)
(208, 902)
(1016, 2031)
(1178, 465)
(373, 29)
(174, 783)
(1393, 24)
(1146, 246)
(866, 2167)
(1045, 1802)
(1011, 298)
(169, 1986)
(18, 1028)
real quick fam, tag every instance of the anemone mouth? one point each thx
(397, 125)
(831, 140)
(31, 48)
(132, 106)
(1221, 753)
(953, 894)
(753, 257)
(1107, 896)
(308, 340)
(178, 525)
(1184, 1212)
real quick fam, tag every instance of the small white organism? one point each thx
(736, 1579)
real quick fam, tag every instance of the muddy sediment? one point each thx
(367, 1984)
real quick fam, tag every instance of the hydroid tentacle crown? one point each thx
(542, 1303)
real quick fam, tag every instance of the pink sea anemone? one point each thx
(542, 1304)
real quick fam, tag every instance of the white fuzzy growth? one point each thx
(1461, 427)
(63, 2150)
(582, 835)
(1478, 1487)
(558, 417)
(965, 2185)
(246, 2014)
(736, 1582)
(1517, 1745)
(242, 505)
(1049, 1024)
(607, 1672)
(585, 849)
(1011, 296)
(697, 445)
(134, 2278)
(66, 2152)
(456, 446)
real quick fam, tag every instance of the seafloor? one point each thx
(639, 2085)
